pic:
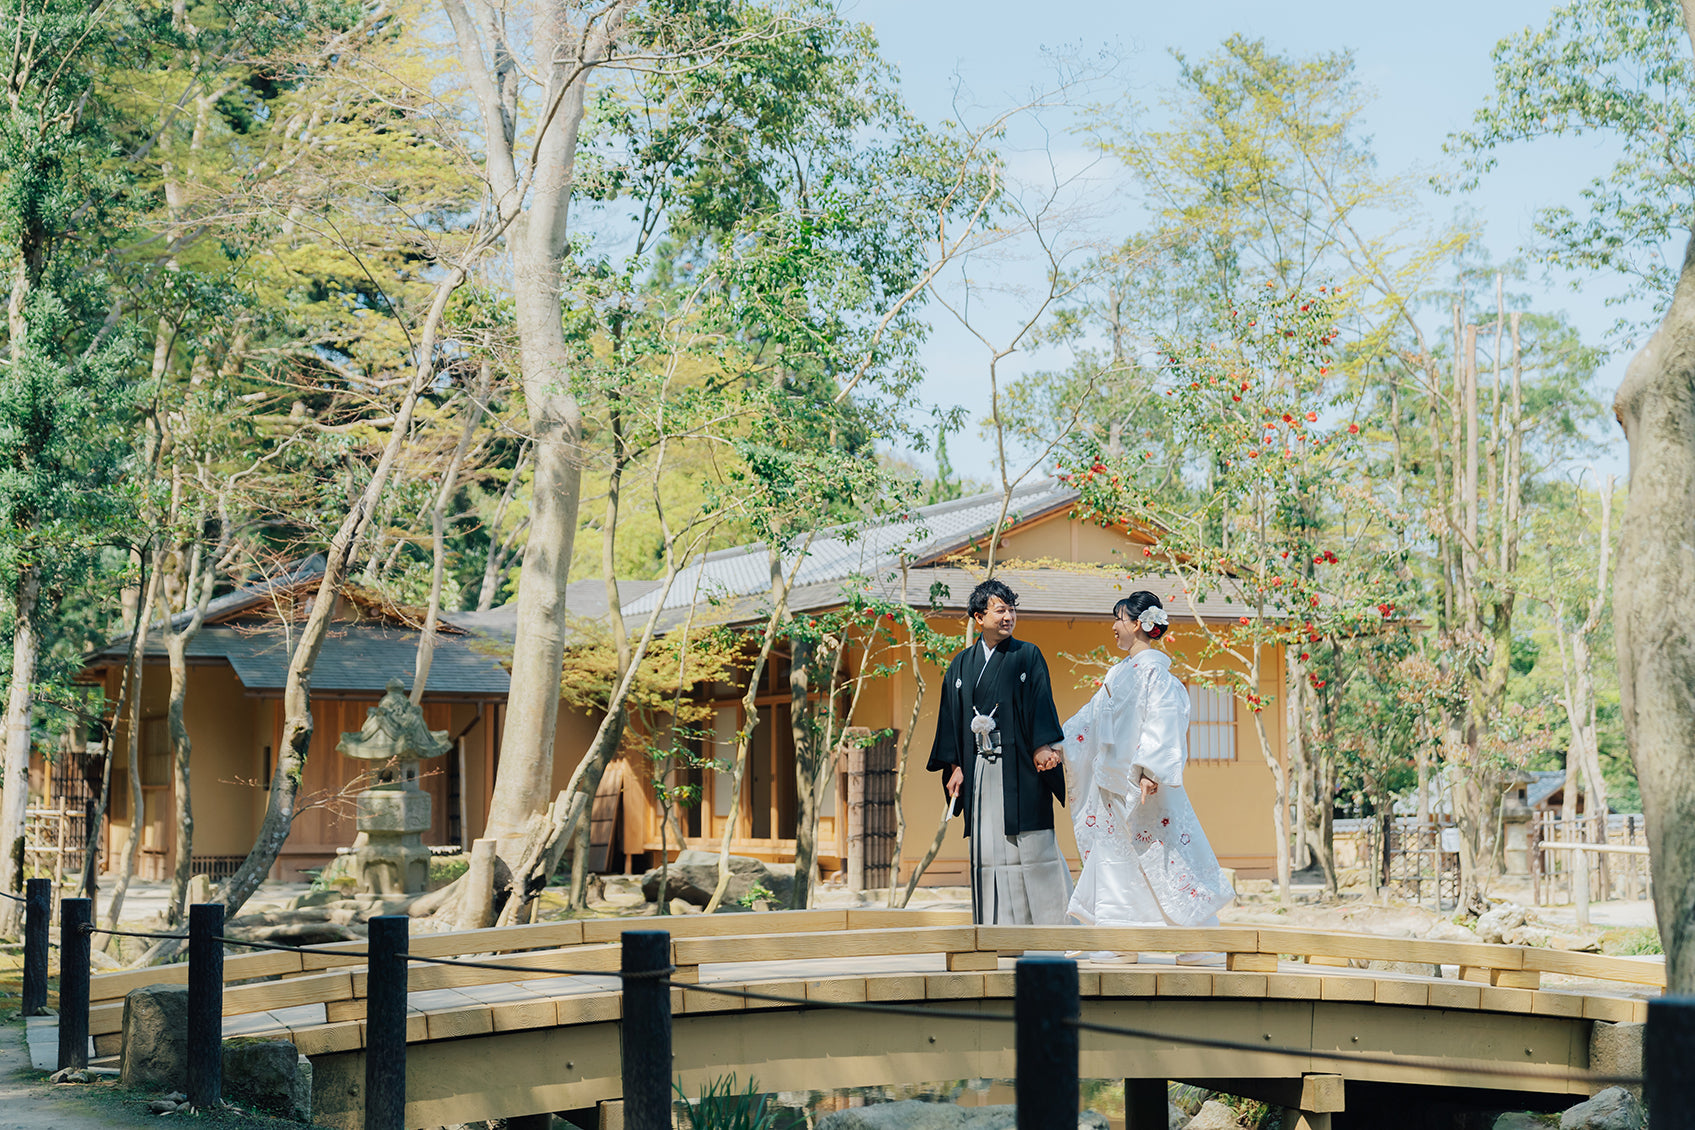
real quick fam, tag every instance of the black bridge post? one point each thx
(76, 916)
(385, 1023)
(1046, 1010)
(1668, 1048)
(205, 1005)
(38, 917)
(645, 1031)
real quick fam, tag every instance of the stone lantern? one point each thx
(389, 857)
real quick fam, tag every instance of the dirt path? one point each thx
(28, 1103)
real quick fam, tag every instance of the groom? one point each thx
(998, 745)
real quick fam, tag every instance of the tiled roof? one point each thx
(836, 554)
(356, 657)
(585, 600)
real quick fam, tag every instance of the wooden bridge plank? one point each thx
(1293, 986)
(509, 1016)
(1414, 993)
(1455, 994)
(895, 987)
(881, 918)
(1182, 983)
(953, 986)
(325, 1039)
(536, 964)
(1617, 1010)
(1128, 939)
(1557, 1004)
(1234, 984)
(453, 1023)
(804, 946)
(1127, 983)
(238, 967)
(589, 1008)
(1003, 985)
(317, 988)
(1347, 989)
(850, 989)
(719, 925)
(1630, 970)
(1373, 947)
(1496, 999)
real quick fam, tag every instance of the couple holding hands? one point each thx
(1117, 764)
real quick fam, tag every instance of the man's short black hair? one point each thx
(979, 602)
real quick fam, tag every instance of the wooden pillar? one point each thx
(855, 846)
(1146, 1106)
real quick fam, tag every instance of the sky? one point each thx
(1429, 68)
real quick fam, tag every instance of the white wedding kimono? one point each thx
(1145, 863)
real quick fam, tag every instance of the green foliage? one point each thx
(721, 1106)
(1632, 941)
(756, 893)
(1618, 69)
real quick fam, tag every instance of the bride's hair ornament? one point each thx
(1152, 617)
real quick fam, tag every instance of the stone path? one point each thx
(28, 1103)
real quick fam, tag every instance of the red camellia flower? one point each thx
(1312, 417)
(1098, 468)
(1288, 419)
(1243, 619)
(1233, 396)
(1305, 656)
(1254, 454)
(1385, 609)
(1353, 429)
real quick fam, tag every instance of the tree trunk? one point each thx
(438, 532)
(137, 799)
(20, 706)
(808, 741)
(203, 569)
(1653, 590)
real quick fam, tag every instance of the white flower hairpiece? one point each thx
(1152, 616)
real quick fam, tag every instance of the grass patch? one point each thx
(1631, 941)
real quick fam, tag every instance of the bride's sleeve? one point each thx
(1160, 750)
(1114, 743)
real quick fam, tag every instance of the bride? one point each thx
(1146, 861)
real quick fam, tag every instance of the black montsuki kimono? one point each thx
(1016, 687)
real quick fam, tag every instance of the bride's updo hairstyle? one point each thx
(1136, 606)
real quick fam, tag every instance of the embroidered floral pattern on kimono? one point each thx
(1145, 862)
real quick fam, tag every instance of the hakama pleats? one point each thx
(1017, 880)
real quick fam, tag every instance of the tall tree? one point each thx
(63, 208)
(1624, 70)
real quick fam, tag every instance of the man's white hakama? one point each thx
(1145, 862)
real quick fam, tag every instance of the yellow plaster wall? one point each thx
(223, 721)
(1060, 537)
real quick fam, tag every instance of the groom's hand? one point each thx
(1049, 757)
(956, 780)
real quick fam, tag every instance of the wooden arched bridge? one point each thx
(1288, 1015)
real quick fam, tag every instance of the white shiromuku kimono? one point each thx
(1145, 863)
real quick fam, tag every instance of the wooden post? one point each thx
(1580, 885)
(75, 918)
(1146, 1106)
(1668, 1048)
(1046, 1009)
(855, 835)
(644, 1035)
(38, 916)
(205, 1005)
(385, 1023)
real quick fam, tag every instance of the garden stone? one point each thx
(1214, 1115)
(1524, 1120)
(1613, 1109)
(155, 1048)
(1616, 1050)
(693, 875)
(268, 1075)
(1496, 925)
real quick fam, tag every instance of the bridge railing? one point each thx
(346, 979)
(334, 975)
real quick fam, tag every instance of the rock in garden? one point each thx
(1499, 922)
(693, 875)
(1523, 1120)
(268, 1075)
(1214, 1115)
(1613, 1109)
(1616, 1050)
(155, 1049)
